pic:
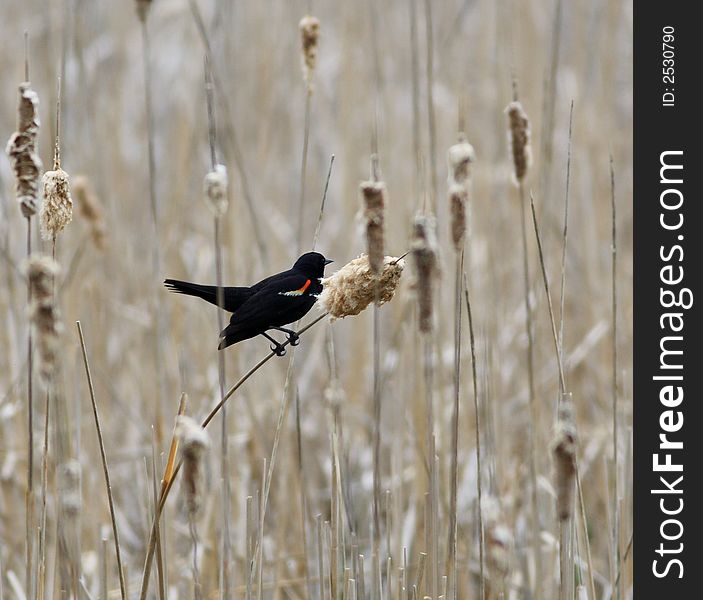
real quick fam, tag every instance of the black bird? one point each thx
(270, 304)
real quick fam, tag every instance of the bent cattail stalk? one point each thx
(424, 252)
(374, 193)
(21, 148)
(194, 442)
(215, 189)
(351, 289)
(90, 208)
(44, 316)
(564, 451)
(57, 210)
(519, 135)
(309, 37)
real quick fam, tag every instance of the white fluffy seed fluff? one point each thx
(351, 289)
(215, 188)
(460, 156)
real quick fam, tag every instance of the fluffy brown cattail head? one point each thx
(458, 197)
(424, 252)
(215, 189)
(373, 194)
(44, 316)
(21, 148)
(564, 454)
(351, 289)
(194, 443)
(460, 157)
(91, 209)
(519, 135)
(309, 38)
(57, 210)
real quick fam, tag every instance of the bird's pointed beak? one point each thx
(328, 261)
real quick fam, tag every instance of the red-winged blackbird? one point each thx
(270, 304)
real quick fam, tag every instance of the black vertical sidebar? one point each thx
(668, 128)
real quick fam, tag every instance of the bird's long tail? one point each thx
(206, 292)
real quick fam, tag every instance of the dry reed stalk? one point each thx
(232, 140)
(351, 289)
(477, 440)
(521, 151)
(26, 164)
(91, 209)
(614, 372)
(309, 37)
(103, 457)
(215, 189)
(431, 125)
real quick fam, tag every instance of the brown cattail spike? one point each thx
(373, 193)
(519, 132)
(458, 197)
(424, 251)
(57, 210)
(459, 158)
(21, 148)
(41, 273)
(90, 208)
(215, 189)
(309, 38)
(564, 451)
(351, 289)
(194, 442)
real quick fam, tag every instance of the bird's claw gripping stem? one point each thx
(278, 350)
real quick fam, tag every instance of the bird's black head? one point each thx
(312, 265)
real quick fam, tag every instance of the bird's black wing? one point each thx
(281, 301)
(234, 297)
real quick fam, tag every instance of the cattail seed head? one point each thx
(194, 442)
(57, 210)
(373, 193)
(458, 197)
(309, 37)
(43, 314)
(424, 252)
(215, 188)
(351, 289)
(21, 148)
(460, 156)
(519, 135)
(564, 453)
(90, 208)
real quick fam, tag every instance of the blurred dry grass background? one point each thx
(364, 73)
